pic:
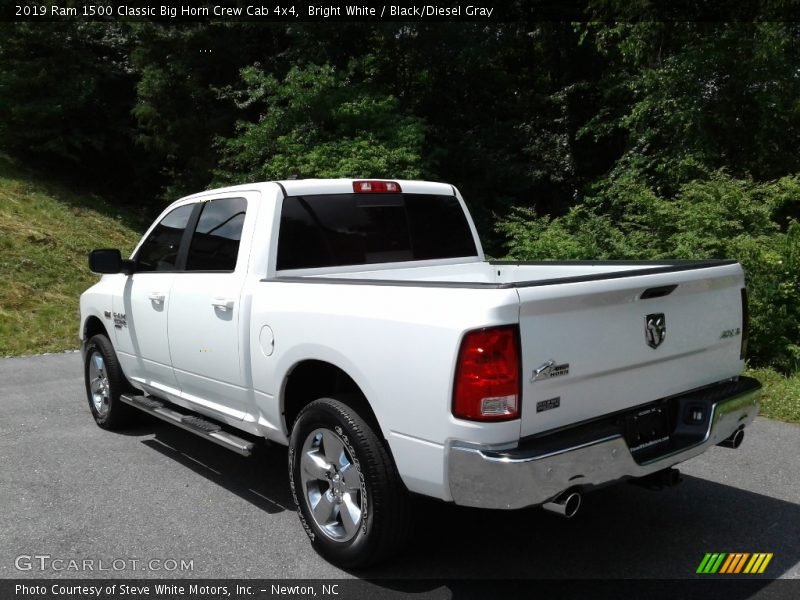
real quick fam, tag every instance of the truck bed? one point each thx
(499, 274)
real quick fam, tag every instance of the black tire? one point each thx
(112, 413)
(384, 524)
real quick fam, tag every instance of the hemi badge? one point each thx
(548, 404)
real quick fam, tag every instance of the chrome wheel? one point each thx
(350, 498)
(99, 387)
(331, 483)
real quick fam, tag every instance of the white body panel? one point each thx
(395, 329)
(205, 336)
(143, 345)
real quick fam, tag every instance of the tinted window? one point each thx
(159, 252)
(353, 229)
(215, 242)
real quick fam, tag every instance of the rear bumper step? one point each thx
(194, 424)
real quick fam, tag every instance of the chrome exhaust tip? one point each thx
(734, 441)
(566, 505)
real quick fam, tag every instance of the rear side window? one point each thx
(215, 242)
(353, 229)
(159, 252)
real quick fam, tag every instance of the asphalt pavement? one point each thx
(156, 501)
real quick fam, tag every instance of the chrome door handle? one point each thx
(157, 297)
(222, 303)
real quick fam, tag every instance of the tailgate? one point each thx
(590, 348)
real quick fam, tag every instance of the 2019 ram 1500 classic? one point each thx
(359, 323)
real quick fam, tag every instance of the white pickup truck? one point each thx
(359, 323)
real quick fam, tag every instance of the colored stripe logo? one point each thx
(734, 563)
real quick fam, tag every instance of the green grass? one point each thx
(781, 395)
(46, 233)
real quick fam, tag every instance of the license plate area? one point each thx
(647, 430)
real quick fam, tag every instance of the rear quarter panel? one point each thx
(398, 343)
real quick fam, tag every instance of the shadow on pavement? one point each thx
(622, 531)
(261, 479)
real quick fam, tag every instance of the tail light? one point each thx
(745, 325)
(376, 187)
(487, 381)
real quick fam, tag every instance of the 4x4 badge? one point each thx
(655, 329)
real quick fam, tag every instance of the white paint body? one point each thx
(399, 341)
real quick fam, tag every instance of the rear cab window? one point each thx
(215, 242)
(329, 230)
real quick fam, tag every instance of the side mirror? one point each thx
(109, 260)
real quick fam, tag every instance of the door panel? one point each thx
(141, 311)
(204, 339)
(204, 313)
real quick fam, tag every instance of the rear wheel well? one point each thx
(313, 379)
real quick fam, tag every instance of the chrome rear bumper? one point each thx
(488, 478)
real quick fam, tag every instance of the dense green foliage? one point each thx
(596, 140)
(65, 97)
(319, 122)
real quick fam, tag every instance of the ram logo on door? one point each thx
(655, 329)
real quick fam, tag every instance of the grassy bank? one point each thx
(46, 233)
(781, 397)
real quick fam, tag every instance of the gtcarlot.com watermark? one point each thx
(47, 562)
